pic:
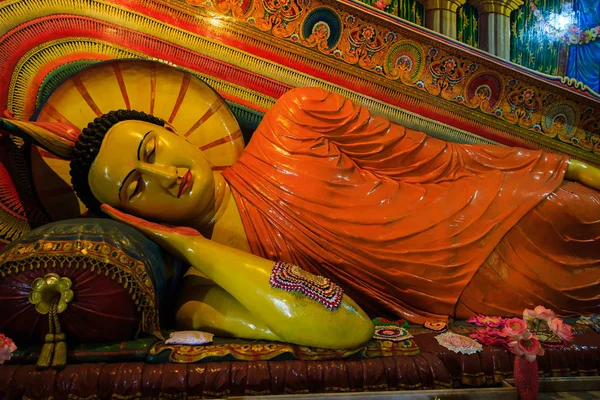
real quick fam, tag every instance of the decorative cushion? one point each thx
(112, 280)
(190, 338)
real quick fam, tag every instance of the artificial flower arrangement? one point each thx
(523, 337)
(7, 346)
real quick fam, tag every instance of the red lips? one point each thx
(186, 182)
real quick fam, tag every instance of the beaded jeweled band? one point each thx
(292, 278)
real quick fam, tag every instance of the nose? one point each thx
(167, 175)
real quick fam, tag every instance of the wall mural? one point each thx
(530, 46)
(344, 44)
(437, 71)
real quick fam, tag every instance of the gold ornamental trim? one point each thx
(504, 7)
(448, 5)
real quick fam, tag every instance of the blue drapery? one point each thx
(583, 63)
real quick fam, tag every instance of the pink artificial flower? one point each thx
(574, 29)
(490, 337)
(560, 329)
(540, 312)
(484, 320)
(7, 346)
(528, 348)
(516, 328)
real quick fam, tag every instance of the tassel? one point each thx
(54, 351)
(60, 351)
(46, 353)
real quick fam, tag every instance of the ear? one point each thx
(55, 137)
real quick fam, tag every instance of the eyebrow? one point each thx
(133, 170)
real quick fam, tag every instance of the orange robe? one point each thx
(402, 221)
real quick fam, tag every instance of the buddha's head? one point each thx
(135, 162)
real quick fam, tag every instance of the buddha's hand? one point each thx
(176, 240)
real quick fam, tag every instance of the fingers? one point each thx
(144, 225)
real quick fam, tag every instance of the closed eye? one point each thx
(134, 188)
(150, 151)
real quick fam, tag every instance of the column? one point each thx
(494, 25)
(440, 15)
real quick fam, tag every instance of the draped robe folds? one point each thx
(402, 221)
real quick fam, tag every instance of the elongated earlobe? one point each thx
(57, 138)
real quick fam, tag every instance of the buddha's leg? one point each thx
(204, 306)
(551, 257)
(293, 317)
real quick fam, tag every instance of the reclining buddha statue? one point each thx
(409, 226)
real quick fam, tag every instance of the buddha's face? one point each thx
(148, 171)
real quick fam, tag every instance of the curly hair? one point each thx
(88, 145)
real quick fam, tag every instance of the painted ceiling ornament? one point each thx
(447, 71)
(458, 343)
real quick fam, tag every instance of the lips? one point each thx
(186, 182)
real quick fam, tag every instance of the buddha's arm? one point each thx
(292, 317)
(583, 173)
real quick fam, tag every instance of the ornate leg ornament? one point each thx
(292, 278)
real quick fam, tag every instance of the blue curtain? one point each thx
(583, 63)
